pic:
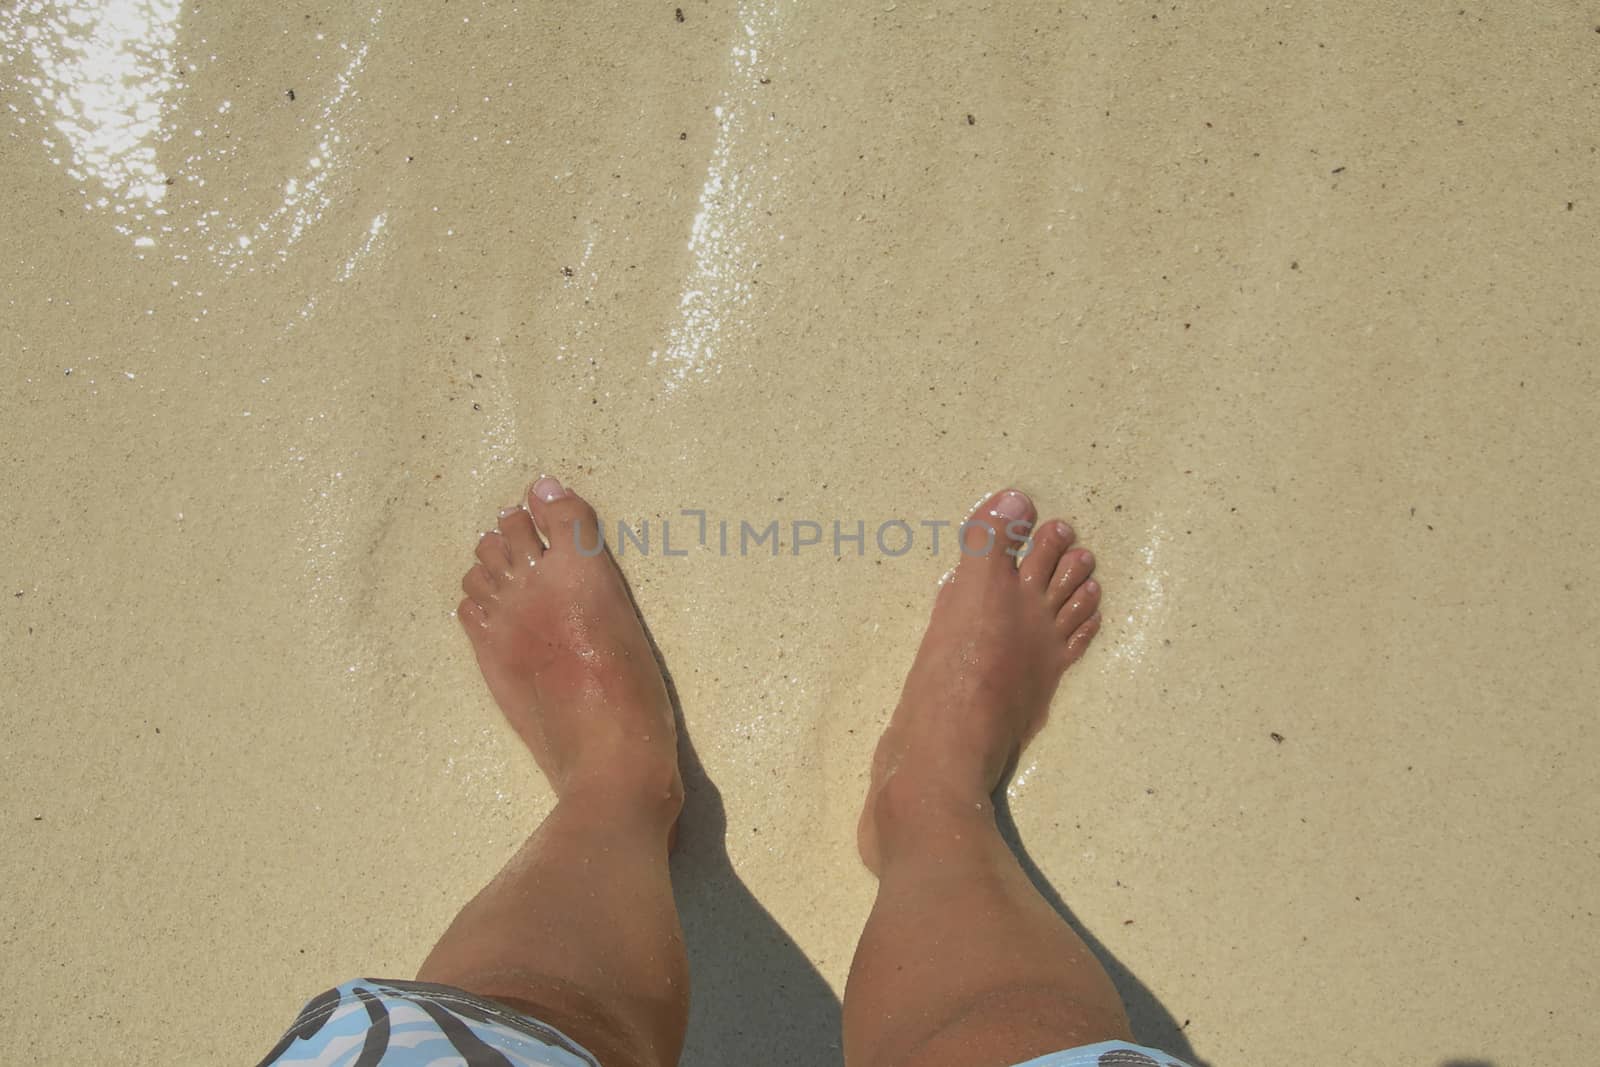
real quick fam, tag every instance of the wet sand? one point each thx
(1291, 309)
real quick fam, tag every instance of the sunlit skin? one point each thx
(961, 962)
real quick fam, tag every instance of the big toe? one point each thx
(995, 532)
(565, 518)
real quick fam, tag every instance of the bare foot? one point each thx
(1001, 636)
(566, 657)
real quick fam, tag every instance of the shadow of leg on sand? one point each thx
(1152, 1023)
(756, 999)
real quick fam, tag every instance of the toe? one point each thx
(522, 540)
(1084, 603)
(472, 615)
(1050, 542)
(564, 518)
(1081, 637)
(1072, 570)
(494, 554)
(998, 528)
(480, 584)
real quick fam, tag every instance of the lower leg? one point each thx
(962, 962)
(580, 929)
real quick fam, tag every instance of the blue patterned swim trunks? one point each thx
(373, 1021)
(384, 1023)
(1107, 1054)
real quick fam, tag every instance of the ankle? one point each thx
(915, 814)
(647, 798)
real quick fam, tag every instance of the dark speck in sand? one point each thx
(1295, 265)
(1338, 170)
(566, 272)
(38, 818)
(970, 120)
(289, 93)
(1276, 736)
(684, 136)
(677, 13)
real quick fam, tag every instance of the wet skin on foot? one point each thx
(566, 657)
(1003, 632)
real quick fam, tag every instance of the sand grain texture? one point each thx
(1291, 308)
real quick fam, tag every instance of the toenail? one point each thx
(1088, 558)
(506, 513)
(1011, 505)
(548, 489)
(1091, 586)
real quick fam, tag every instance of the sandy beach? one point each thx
(1291, 308)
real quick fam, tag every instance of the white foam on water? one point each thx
(102, 72)
(104, 78)
(1146, 597)
(728, 230)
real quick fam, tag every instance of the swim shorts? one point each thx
(383, 1023)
